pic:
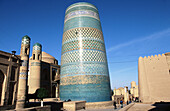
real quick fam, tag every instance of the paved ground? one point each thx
(104, 109)
(150, 107)
(141, 107)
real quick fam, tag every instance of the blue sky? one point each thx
(131, 28)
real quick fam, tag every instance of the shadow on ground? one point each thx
(161, 106)
(55, 106)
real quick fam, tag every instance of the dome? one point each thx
(46, 55)
(81, 4)
(26, 37)
(37, 44)
(48, 58)
(133, 82)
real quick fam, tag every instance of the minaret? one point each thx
(35, 72)
(23, 75)
(84, 69)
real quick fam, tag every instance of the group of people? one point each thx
(121, 103)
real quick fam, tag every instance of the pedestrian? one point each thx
(114, 103)
(130, 100)
(127, 102)
(121, 102)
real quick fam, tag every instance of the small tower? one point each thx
(35, 72)
(23, 75)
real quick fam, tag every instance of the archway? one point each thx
(1, 83)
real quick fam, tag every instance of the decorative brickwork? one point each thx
(84, 70)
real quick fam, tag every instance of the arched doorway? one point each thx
(1, 84)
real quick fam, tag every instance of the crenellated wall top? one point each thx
(155, 56)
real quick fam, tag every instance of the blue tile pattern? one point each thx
(84, 70)
(35, 64)
(79, 13)
(26, 40)
(82, 8)
(37, 46)
(24, 63)
(82, 21)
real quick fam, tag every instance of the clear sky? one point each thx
(131, 28)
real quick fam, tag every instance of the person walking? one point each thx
(127, 102)
(121, 102)
(114, 103)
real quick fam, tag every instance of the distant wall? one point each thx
(154, 78)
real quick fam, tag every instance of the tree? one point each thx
(41, 93)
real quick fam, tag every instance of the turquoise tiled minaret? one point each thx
(84, 69)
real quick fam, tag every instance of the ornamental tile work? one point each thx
(84, 79)
(37, 46)
(26, 40)
(84, 70)
(87, 68)
(84, 32)
(85, 55)
(22, 75)
(35, 64)
(84, 22)
(82, 8)
(81, 13)
(86, 44)
(25, 44)
(24, 63)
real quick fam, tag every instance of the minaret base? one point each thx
(20, 104)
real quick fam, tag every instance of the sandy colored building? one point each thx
(154, 78)
(121, 94)
(134, 89)
(44, 72)
(11, 71)
(119, 91)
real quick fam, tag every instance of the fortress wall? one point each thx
(154, 78)
(168, 59)
(142, 79)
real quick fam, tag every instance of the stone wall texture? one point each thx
(84, 69)
(154, 78)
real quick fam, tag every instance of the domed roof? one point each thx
(133, 82)
(26, 37)
(46, 55)
(81, 4)
(37, 44)
(48, 58)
